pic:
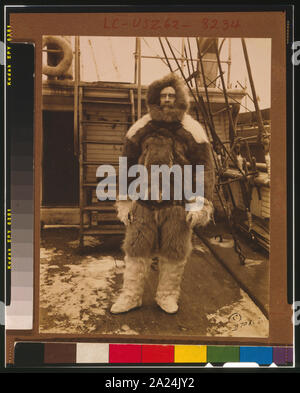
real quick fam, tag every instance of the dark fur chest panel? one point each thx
(163, 146)
(165, 143)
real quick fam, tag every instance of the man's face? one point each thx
(167, 97)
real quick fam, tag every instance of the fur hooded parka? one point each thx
(172, 138)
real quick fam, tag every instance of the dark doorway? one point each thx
(60, 166)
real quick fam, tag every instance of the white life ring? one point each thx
(63, 66)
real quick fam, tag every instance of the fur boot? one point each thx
(136, 270)
(168, 290)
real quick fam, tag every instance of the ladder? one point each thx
(105, 113)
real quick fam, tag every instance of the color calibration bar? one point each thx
(33, 354)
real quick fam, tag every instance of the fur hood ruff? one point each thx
(181, 103)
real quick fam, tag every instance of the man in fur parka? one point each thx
(163, 228)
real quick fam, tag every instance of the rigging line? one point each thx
(191, 60)
(191, 57)
(224, 148)
(258, 112)
(226, 209)
(159, 57)
(183, 76)
(163, 49)
(217, 164)
(232, 229)
(202, 106)
(263, 138)
(197, 104)
(182, 52)
(229, 96)
(203, 110)
(212, 81)
(216, 140)
(194, 73)
(195, 99)
(220, 47)
(237, 247)
(196, 84)
(204, 82)
(244, 88)
(228, 216)
(94, 59)
(165, 63)
(114, 59)
(176, 50)
(208, 47)
(187, 62)
(197, 91)
(232, 127)
(205, 116)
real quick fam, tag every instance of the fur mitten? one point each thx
(201, 216)
(124, 211)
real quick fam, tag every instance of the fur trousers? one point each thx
(162, 233)
(159, 232)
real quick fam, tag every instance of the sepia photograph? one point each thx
(155, 187)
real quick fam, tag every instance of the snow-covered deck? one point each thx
(78, 288)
